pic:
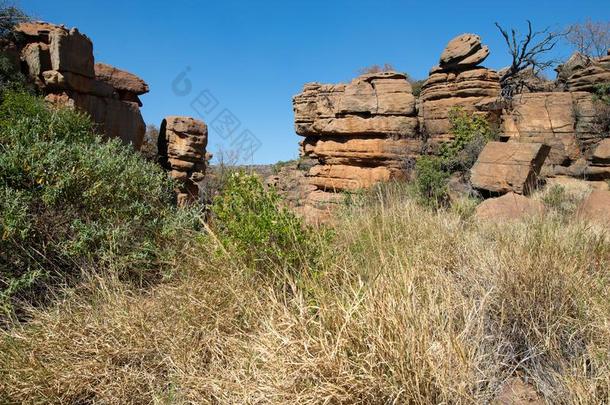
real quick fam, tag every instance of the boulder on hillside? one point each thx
(596, 208)
(463, 51)
(504, 167)
(601, 154)
(586, 77)
(509, 207)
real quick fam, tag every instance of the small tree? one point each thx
(376, 69)
(590, 38)
(9, 17)
(149, 146)
(526, 53)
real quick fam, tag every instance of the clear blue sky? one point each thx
(253, 56)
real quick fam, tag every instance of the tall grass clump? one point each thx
(71, 201)
(408, 305)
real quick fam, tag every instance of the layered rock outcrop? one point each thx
(181, 147)
(586, 73)
(60, 62)
(457, 82)
(358, 133)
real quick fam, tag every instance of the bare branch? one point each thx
(528, 52)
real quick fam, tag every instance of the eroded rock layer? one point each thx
(60, 62)
(182, 151)
(457, 82)
(571, 123)
(359, 133)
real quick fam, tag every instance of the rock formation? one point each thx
(458, 82)
(357, 134)
(60, 62)
(508, 167)
(586, 73)
(508, 207)
(181, 147)
(596, 208)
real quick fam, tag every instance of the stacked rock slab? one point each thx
(504, 167)
(585, 77)
(60, 62)
(571, 122)
(359, 133)
(182, 151)
(457, 82)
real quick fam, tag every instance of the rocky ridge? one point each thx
(60, 62)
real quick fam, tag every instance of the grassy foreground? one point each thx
(404, 305)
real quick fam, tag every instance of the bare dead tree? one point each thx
(590, 38)
(527, 53)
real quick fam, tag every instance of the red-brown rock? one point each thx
(508, 167)
(508, 207)
(596, 208)
(182, 151)
(120, 79)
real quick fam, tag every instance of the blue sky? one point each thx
(248, 58)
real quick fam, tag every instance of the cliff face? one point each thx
(60, 62)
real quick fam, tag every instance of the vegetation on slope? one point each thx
(72, 201)
(406, 305)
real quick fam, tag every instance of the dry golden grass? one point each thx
(411, 307)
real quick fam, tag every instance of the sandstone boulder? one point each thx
(601, 154)
(508, 167)
(596, 208)
(463, 51)
(356, 134)
(508, 207)
(60, 62)
(587, 78)
(120, 79)
(457, 83)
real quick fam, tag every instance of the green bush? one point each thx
(431, 181)
(253, 225)
(471, 132)
(602, 93)
(72, 201)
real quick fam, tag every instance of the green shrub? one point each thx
(471, 132)
(253, 225)
(431, 181)
(602, 93)
(72, 201)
